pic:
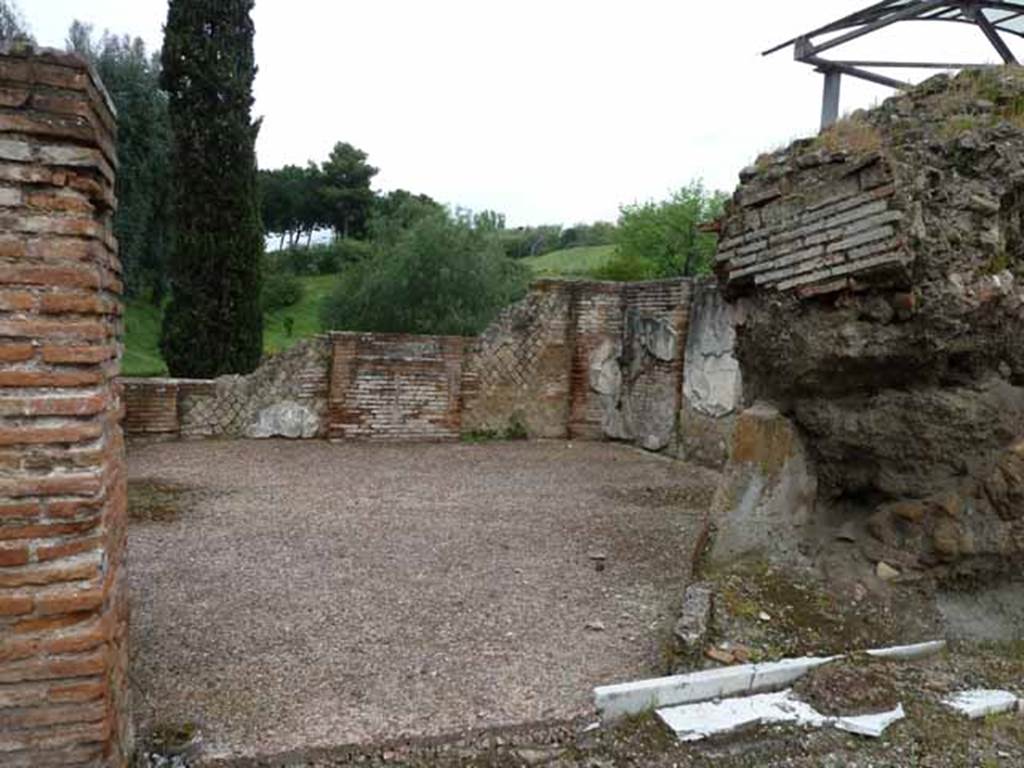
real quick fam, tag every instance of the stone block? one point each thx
(767, 498)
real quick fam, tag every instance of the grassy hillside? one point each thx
(305, 315)
(142, 328)
(142, 340)
(572, 262)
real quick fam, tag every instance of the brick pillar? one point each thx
(63, 590)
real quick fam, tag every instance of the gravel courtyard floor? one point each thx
(296, 595)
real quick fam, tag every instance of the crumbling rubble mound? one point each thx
(850, 687)
(878, 274)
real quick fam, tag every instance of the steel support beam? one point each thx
(913, 64)
(993, 37)
(830, 99)
(910, 12)
(824, 65)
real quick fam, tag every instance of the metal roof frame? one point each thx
(993, 17)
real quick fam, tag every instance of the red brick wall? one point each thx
(597, 314)
(63, 591)
(395, 387)
(151, 407)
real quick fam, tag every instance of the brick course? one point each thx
(817, 230)
(395, 387)
(63, 591)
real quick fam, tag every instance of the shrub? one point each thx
(668, 234)
(331, 259)
(438, 276)
(626, 268)
(326, 259)
(280, 290)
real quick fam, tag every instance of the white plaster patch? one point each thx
(712, 381)
(981, 703)
(286, 419)
(872, 726)
(695, 722)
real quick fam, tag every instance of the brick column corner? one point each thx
(63, 590)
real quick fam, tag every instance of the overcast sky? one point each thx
(552, 111)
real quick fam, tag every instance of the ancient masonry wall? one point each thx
(518, 369)
(581, 360)
(395, 387)
(657, 322)
(63, 587)
(235, 406)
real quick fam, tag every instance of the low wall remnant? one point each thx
(573, 359)
(284, 397)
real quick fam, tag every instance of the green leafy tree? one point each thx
(488, 221)
(12, 24)
(398, 210)
(667, 234)
(290, 202)
(142, 222)
(345, 191)
(275, 205)
(213, 324)
(585, 235)
(531, 241)
(438, 276)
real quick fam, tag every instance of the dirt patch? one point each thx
(156, 501)
(781, 612)
(853, 687)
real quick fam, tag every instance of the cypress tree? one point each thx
(213, 324)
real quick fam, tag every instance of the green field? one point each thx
(305, 315)
(142, 340)
(572, 262)
(142, 327)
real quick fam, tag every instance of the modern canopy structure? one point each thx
(994, 19)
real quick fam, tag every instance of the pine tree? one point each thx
(213, 324)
